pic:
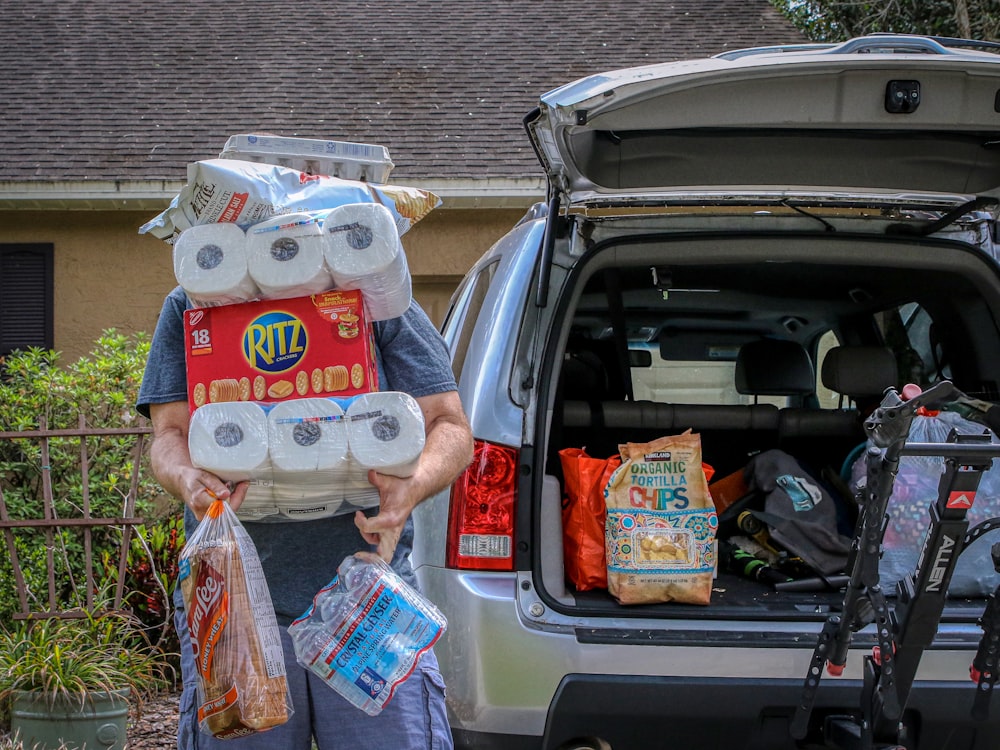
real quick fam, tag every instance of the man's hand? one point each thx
(447, 451)
(396, 502)
(172, 462)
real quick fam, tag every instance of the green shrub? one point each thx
(71, 657)
(151, 576)
(35, 387)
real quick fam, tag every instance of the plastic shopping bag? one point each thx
(365, 632)
(583, 513)
(916, 489)
(237, 644)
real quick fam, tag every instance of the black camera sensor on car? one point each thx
(902, 97)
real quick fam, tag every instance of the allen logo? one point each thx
(960, 500)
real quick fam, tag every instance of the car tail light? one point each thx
(481, 521)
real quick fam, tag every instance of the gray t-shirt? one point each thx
(300, 557)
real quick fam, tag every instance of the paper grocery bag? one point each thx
(661, 524)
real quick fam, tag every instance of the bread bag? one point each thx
(242, 687)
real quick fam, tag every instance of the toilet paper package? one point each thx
(285, 256)
(210, 263)
(246, 193)
(363, 251)
(277, 350)
(309, 457)
(385, 432)
(230, 440)
(308, 435)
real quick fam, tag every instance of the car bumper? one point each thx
(516, 681)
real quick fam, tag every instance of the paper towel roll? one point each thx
(258, 504)
(363, 252)
(385, 432)
(285, 256)
(210, 263)
(302, 495)
(229, 439)
(307, 435)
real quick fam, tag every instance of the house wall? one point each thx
(109, 276)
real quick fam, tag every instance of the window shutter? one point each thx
(25, 297)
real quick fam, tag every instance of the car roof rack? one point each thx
(881, 42)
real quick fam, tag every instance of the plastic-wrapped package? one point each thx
(365, 632)
(308, 457)
(247, 193)
(915, 490)
(363, 252)
(242, 687)
(210, 263)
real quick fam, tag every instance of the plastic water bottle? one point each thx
(365, 632)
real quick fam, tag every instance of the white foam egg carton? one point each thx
(363, 162)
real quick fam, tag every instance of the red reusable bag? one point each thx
(583, 513)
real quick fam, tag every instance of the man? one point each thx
(300, 557)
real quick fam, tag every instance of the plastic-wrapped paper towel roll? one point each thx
(307, 435)
(385, 432)
(303, 495)
(229, 439)
(210, 263)
(285, 256)
(363, 252)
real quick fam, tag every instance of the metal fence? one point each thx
(84, 523)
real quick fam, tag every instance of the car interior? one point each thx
(756, 355)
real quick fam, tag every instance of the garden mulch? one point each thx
(156, 727)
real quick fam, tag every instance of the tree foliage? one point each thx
(838, 20)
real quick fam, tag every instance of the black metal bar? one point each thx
(28, 434)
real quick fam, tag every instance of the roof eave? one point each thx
(155, 195)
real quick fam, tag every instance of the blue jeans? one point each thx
(414, 719)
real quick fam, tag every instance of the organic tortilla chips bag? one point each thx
(661, 524)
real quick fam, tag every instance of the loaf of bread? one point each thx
(234, 634)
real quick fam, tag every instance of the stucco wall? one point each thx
(109, 276)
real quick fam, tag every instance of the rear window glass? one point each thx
(691, 382)
(461, 318)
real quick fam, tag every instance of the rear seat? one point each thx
(730, 434)
(598, 418)
(824, 437)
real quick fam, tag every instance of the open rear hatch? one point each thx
(903, 123)
(860, 138)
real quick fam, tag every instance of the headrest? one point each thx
(771, 367)
(859, 372)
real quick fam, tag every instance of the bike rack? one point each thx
(905, 632)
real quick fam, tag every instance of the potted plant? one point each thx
(71, 682)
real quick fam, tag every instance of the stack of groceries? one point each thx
(289, 250)
(287, 270)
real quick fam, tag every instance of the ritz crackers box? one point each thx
(276, 350)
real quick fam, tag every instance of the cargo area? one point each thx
(787, 354)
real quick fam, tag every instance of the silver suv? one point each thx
(754, 246)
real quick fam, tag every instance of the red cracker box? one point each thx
(276, 350)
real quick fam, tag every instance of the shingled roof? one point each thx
(128, 93)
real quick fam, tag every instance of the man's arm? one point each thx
(447, 451)
(172, 466)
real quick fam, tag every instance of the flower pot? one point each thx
(48, 722)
